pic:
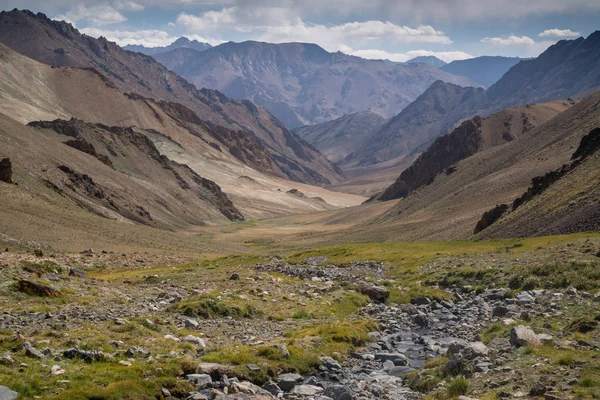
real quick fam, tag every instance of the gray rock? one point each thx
(288, 381)
(396, 358)
(272, 388)
(165, 392)
(307, 390)
(400, 371)
(330, 363)
(522, 336)
(546, 338)
(378, 294)
(7, 394)
(421, 320)
(525, 298)
(194, 340)
(285, 353)
(338, 392)
(420, 301)
(32, 352)
(234, 277)
(500, 311)
(200, 380)
(191, 323)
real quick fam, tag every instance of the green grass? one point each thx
(458, 387)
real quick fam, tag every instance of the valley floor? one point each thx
(139, 323)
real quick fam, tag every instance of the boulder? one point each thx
(7, 394)
(377, 293)
(421, 320)
(194, 340)
(338, 392)
(522, 336)
(397, 358)
(307, 390)
(420, 301)
(37, 289)
(6, 170)
(76, 272)
(400, 371)
(288, 381)
(200, 380)
(330, 363)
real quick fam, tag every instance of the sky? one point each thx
(379, 29)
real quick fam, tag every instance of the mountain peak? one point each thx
(429, 60)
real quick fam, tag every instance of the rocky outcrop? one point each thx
(491, 216)
(5, 170)
(37, 289)
(447, 150)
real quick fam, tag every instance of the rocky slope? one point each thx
(302, 84)
(180, 43)
(470, 137)
(338, 138)
(567, 69)
(564, 70)
(432, 114)
(485, 70)
(59, 44)
(32, 91)
(564, 200)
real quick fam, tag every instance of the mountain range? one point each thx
(60, 44)
(302, 84)
(485, 70)
(181, 43)
(429, 60)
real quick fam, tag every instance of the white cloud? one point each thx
(447, 56)
(101, 14)
(559, 33)
(126, 5)
(509, 41)
(148, 38)
(278, 24)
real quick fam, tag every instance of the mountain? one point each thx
(432, 114)
(429, 60)
(562, 201)
(340, 137)
(59, 44)
(565, 69)
(244, 170)
(451, 205)
(471, 137)
(302, 84)
(180, 43)
(485, 70)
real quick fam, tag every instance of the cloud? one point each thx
(126, 5)
(148, 38)
(101, 14)
(509, 41)
(373, 54)
(278, 24)
(559, 33)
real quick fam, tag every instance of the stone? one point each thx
(76, 272)
(285, 353)
(33, 352)
(421, 320)
(400, 371)
(538, 390)
(7, 394)
(37, 289)
(194, 340)
(288, 381)
(191, 323)
(397, 358)
(57, 370)
(338, 392)
(420, 301)
(500, 311)
(330, 363)
(378, 294)
(6, 170)
(522, 336)
(272, 388)
(525, 298)
(307, 390)
(234, 277)
(200, 380)
(165, 392)
(314, 261)
(173, 338)
(546, 338)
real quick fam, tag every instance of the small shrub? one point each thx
(458, 387)
(588, 382)
(189, 366)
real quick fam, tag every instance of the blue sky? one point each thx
(391, 29)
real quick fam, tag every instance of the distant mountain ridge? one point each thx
(485, 70)
(429, 60)
(566, 69)
(302, 84)
(181, 43)
(58, 43)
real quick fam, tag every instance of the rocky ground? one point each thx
(109, 326)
